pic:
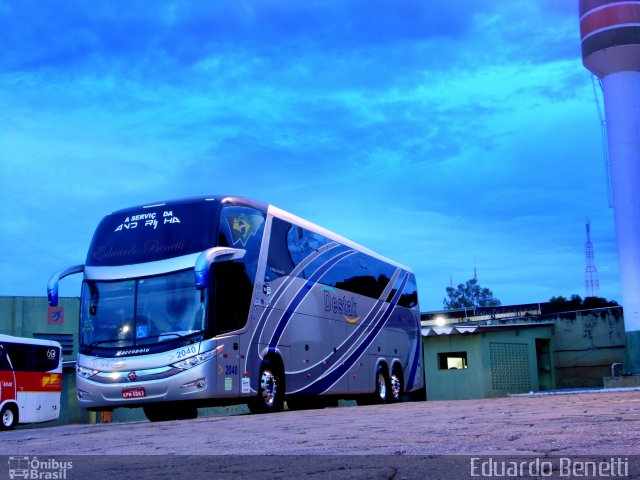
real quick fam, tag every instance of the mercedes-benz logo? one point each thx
(132, 376)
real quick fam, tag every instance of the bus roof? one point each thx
(284, 215)
(27, 341)
(223, 199)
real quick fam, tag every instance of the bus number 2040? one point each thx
(186, 351)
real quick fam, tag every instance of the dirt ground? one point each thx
(587, 424)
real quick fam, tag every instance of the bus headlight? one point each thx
(195, 360)
(85, 372)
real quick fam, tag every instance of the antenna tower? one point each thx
(591, 282)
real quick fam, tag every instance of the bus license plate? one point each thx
(133, 393)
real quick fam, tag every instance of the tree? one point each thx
(561, 304)
(469, 295)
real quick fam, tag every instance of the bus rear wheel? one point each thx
(382, 389)
(382, 393)
(396, 386)
(270, 396)
(8, 417)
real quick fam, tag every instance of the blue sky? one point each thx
(437, 133)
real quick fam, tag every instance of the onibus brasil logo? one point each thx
(35, 468)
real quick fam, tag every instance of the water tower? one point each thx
(610, 35)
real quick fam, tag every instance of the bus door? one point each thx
(231, 293)
(229, 310)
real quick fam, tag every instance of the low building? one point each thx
(481, 361)
(586, 346)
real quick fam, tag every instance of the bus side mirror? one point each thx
(54, 280)
(210, 256)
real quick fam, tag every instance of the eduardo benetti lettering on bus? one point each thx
(150, 246)
(341, 306)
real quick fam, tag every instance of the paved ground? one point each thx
(603, 424)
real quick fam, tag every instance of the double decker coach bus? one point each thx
(224, 300)
(30, 380)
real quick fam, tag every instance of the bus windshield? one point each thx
(126, 313)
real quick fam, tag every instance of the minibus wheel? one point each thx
(8, 417)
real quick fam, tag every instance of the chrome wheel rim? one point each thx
(395, 387)
(268, 387)
(382, 386)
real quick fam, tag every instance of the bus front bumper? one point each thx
(121, 389)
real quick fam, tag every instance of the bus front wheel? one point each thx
(270, 396)
(8, 417)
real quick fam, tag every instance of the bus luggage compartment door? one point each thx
(228, 371)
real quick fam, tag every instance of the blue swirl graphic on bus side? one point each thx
(351, 342)
(300, 296)
(343, 350)
(323, 383)
(253, 355)
(330, 378)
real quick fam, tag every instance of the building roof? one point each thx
(471, 329)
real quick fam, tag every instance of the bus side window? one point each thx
(19, 357)
(280, 261)
(242, 227)
(289, 246)
(45, 358)
(409, 297)
(360, 274)
(4, 362)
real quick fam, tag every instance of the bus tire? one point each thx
(270, 397)
(8, 417)
(156, 413)
(186, 412)
(396, 386)
(164, 412)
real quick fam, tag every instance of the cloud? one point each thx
(433, 132)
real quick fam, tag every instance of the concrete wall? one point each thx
(586, 344)
(24, 316)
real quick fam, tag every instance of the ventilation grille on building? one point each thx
(510, 367)
(64, 339)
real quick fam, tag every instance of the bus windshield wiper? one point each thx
(188, 337)
(93, 345)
